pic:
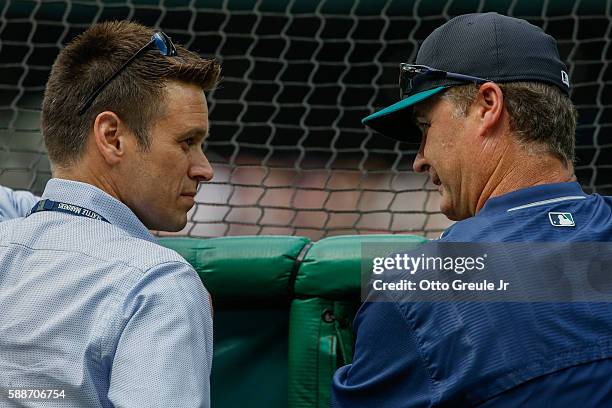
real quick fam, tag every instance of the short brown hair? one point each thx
(539, 113)
(134, 95)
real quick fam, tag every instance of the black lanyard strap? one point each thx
(49, 205)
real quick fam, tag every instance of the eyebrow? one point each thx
(197, 133)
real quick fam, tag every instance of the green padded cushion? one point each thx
(332, 266)
(250, 358)
(242, 269)
(317, 347)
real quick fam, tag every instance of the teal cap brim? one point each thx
(395, 121)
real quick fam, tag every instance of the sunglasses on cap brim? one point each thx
(412, 78)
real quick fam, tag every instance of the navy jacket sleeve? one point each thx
(386, 355)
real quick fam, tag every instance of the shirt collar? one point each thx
(533, 196)
(90, 197)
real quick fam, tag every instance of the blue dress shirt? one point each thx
(491, 354)
(99, 310)
(15, 204)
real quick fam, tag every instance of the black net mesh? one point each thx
(289, 151)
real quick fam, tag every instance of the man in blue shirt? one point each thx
(489, 95)
(94, 312)
(15, 204)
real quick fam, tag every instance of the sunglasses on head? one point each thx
(412, 75)
(159, 40)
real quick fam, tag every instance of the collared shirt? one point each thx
(14, 204)
(99, 309)
(491, 354)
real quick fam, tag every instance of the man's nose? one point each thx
(200, 169)
(420, 163)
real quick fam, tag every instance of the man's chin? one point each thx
(452, 216)
(450, 212)
(175, 228)
(168, 225)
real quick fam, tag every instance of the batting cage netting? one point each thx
(289, 151)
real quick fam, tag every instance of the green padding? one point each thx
(332, 266)
(242, 269)
(250, 358)
(320, 340)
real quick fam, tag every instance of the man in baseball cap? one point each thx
(473, 48)
(488, 99)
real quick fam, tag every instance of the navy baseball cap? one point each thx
(474, 48)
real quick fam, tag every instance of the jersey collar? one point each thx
(533, 197)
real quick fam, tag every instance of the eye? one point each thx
(187, 143)
(423, 126)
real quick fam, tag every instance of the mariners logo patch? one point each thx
(561, 219)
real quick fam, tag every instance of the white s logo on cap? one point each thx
(565, 78)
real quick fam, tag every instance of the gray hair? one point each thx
(541, 116)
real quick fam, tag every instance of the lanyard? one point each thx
(48, 205)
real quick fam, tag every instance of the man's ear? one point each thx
(489, 107)
(108, 135)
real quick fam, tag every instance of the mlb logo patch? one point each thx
(561, 219)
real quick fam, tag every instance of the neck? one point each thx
(85, 174)
(522, 172)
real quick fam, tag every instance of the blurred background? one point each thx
(289, 151)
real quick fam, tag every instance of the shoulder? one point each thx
(5, 229)
(141, 253)
(591, 214)
(91, 241)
